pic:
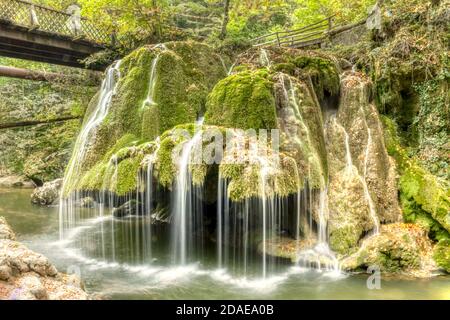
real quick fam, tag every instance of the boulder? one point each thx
(48, 194)
(27, 275)
(125, 210)
(6, 232)
(363, 177)
(14, 181)
(441, 255)
(398, 249)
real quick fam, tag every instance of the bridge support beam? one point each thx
(23, 43)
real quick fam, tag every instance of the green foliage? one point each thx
(423, 195)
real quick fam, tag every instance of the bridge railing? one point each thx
(312, 33)
(37, 17)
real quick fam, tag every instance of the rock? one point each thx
(22, 260)
(27, 275)
(6, 232)
(32, 285)
(87, 202)
(441, 255)
(48, 193)
(398, 249)
(286, 248)
(5, 272)
(363, 177)
(127, 209)
(14, 181)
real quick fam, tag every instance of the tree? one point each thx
(226, 19)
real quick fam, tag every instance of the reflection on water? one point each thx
(124, 278)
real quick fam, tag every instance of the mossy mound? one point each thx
(244, 100)
(184, 73)
(442, 255)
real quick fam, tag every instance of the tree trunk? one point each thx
(33, 75)
(36, 122)
(226, 19)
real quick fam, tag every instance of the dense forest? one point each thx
(357, 89)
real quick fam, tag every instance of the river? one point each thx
(38, 228)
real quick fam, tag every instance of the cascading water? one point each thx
(149, 101)
(187, 205)
(68, 215)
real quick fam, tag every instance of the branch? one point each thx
(36, 122)
(33, 75)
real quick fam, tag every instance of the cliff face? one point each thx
(39, 153)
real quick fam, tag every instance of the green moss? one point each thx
(420, 191)
(441, 255)
(185, 73)
(322, 72)
(245, 180)
(244, 100)
(127, 171)
(344, 239)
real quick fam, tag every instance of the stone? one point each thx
(127, 209)
(14, 181)
(6, 232)
(287, 248)
(363, 177)
(399, 248)
(31, 284)
(441, 255)
(87, 202)
(48, 194)
(5, 272)
(27, 275)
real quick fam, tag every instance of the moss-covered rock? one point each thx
(363, 179)
(424, 197)
(321, 69)
(442, 255)
(399, 248)
(183, 74)
(244, 100)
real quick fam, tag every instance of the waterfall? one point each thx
(186, 206)
(107, 91)
(149, 101)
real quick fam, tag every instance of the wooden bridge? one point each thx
(38, 33)
(309, 36)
